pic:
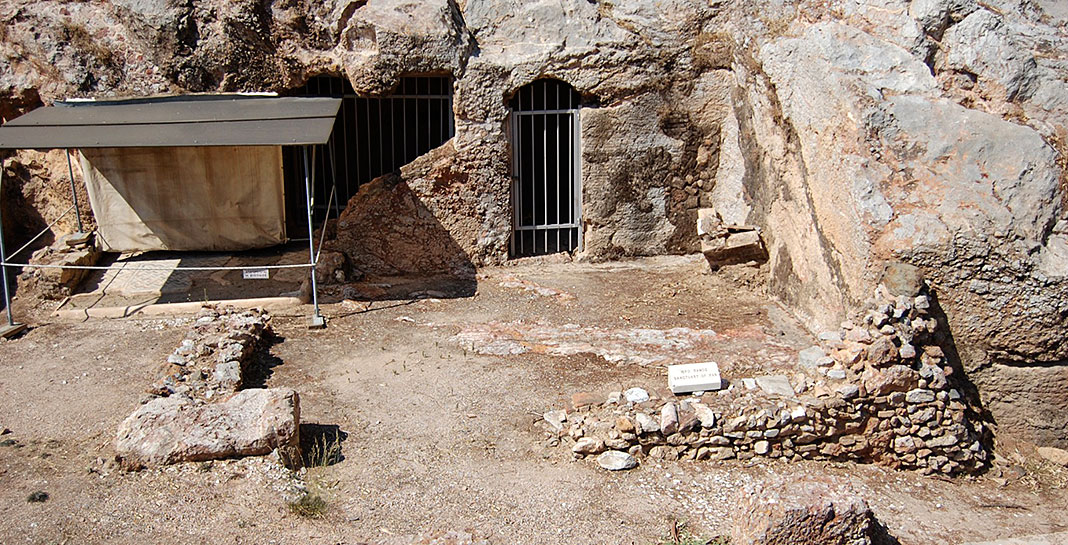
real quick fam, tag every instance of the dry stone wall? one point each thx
(877, 390)
(202, 408)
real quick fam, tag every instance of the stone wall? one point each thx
(877, 390)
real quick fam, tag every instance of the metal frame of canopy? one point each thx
(179, 121)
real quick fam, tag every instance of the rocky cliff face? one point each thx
(931, 132)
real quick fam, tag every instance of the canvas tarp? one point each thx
(186, 198)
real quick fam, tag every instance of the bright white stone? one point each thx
(636, 395)
(692, 377)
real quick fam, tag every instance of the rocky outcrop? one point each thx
(177, 428)
(820, 510)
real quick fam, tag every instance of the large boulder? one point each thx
(174, 429)
(813, 510)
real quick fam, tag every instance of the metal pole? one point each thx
(317, 319)
(74, 194)
(3, 259)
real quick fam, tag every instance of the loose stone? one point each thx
(614, 460)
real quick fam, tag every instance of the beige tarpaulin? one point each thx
(186, 198)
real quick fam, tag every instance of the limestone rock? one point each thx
(614, 460)
(1055, 455)
(587, 446)
(815, 510)
(177, 429)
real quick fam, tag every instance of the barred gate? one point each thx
(374, 135)
(546, 150)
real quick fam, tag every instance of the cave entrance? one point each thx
(372, 136)
(546, 149)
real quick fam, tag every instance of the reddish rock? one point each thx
(816, 510)
(584, 399)
(896, 378)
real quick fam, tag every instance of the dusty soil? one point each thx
(437, 435)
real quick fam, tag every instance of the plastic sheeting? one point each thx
(186, 198)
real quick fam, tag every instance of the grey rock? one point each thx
(762, 447)
(849, 391)
(556, 419)
(669, 419)
(983, 44)
(836, 374)
(175, 429)
(775, 385)
(646, 424)
(614, 460)
(810, 356)
(919, 395)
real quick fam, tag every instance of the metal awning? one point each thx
(191, 120)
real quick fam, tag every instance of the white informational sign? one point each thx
(694, 377)
(255, 274)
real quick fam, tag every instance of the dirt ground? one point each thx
(437, 403)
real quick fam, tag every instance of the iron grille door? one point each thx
(374, 135)
(546, 197)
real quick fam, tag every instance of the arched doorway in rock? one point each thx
(546, 179)
(373, 135)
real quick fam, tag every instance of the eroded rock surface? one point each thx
(815, 510)
(177, 428)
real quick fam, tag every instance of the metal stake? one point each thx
(316, 320)
(74, 194)
(3, 259)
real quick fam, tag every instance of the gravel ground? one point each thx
(436, 435)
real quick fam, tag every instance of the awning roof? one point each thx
(192, 120)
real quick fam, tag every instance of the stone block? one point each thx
(694, 377)
(176, 429)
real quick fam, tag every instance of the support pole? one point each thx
(74, 194)
(11, 328)
(316, 320)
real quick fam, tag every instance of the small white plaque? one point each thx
(255, 274)
(693, 377)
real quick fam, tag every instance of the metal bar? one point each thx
(127, 266)
(393, 134)
(311, 235)
(439, 97)
(43, 231)
(570, 180)
(370, 175)
(543, 227)
(3, 258)
(404, 133)
(345, 142)
(545, 161)
(576, 174)
(516, 204)
(381, 137)
(356, 141)
(333, 189)
(450, 114)
(544, 112)
(556, 171)
(74, 194)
